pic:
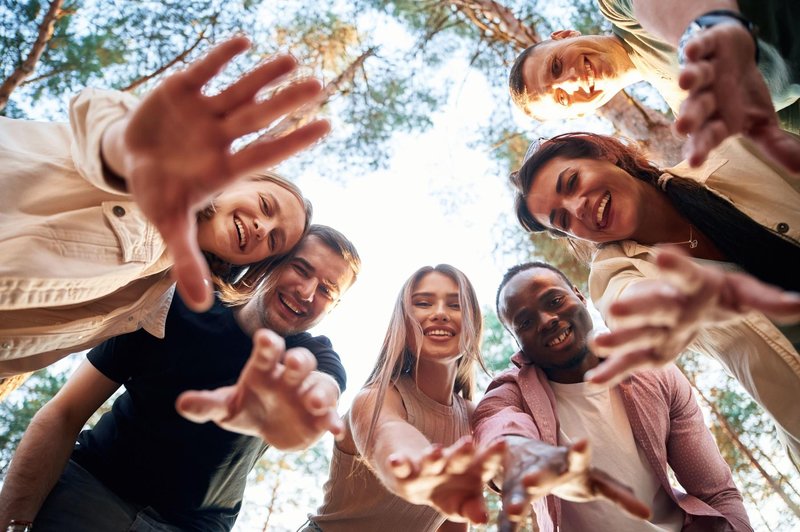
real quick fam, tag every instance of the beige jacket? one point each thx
(751, 348)
(80, 263)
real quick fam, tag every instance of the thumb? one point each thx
(779, 146)
(203, 406)
(189, 269)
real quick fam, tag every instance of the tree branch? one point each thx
(177, 59)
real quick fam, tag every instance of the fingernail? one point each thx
(791, 296)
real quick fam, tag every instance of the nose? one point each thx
(570, 81)
(547, 321)
(307, 289)
(261, 229)
(578, 206)
(440, 312)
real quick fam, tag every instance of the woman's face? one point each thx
(435, 306)
(590, 199)
(253, 220)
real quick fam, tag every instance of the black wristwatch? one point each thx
(712, 18)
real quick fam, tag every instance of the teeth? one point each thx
(601, 209)
(438, 332)
(241, 231)
(587, 67)
(291, 307)
(561, 337)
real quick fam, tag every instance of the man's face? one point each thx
(307, 288)
(572, 75)
(548, 318)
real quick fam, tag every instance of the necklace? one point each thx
(692, 241)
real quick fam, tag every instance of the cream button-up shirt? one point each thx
(79, 263)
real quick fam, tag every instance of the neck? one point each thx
(628, 73)
(436, 379)
(661, 221)
(248, 316)
(573, 370)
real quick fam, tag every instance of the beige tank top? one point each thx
(355, 500)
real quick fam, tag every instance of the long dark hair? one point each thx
(740, 239)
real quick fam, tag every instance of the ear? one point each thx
(564, 34)
(579, 294)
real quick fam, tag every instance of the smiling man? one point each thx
(545, 412)
(143, 466)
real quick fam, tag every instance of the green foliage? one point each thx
(18, 410)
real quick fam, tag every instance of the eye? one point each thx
(556, 301)
(455, 306)
(523, 325)
(422, 304)
(555, 67)
(300, 270)
(327, 292)
(571, 182)
(266, 208)
(564, 219)
(562, 98)
(272, 242)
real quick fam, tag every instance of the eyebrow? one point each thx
(558, 191)
(330, 285)
(431, 294)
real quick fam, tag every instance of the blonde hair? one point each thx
(237, 284)
(396, 356)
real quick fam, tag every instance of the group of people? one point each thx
(102, 218)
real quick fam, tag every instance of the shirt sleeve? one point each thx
(503, 412)
(328, 360)
(695, 458)
(122, 357)
(90, 114)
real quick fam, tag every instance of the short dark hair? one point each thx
(514, 271)
(338, 243)
(516, 82)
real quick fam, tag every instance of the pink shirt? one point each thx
(667, 426)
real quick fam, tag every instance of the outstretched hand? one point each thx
(656, 320)
(728, 96)
(534, 469)
(278, 397)
(451, 479)
(176, 148)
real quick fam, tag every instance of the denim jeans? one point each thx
(81, 503)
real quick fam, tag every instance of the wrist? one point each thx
(711, 19)
(113, 152)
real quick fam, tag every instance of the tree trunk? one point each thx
(9, 384)
(29, 64)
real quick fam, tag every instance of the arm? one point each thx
(176, 149)
(47, 444)
(727, 93)
(691, 448)
(449, 479)
(279, 397)
(654, 320)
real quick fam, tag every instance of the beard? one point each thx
(573, 362)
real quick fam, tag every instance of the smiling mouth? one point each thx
(439, 332)
(560, 338)
(590, 75)
(296, 311)
(603, 210)
(241, 232)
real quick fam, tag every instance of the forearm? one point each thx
(668, 20)
(394, 437)
(37, 464)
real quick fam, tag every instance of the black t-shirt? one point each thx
(143, 450)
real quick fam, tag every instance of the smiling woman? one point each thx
(415, 402)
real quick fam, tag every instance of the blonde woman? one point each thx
(406, 443)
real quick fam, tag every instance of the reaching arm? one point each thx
(691, 449)
(655, 320)
(450, 479)
(47, 444)
(176, 149)
(278, 397)
(727, 93)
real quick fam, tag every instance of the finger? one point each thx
(319, 398)
(700, 47)
(682, 273)
(332, 422)
(747, 293)
(704, 139)
(695, 111)
(619, 494)
(778, 145)
(203, 406)
(268, 348)
(696, 76)
(615, 369)
(201, 71)
(510, 515)
(189, 269)
(475, 510)
(579, 456)
(253, 117)
(459, 458)
(265, 154)
(433, 462)
(491, 459)
(299, 363)
(626, 340)
(402, 466)
(246, 88)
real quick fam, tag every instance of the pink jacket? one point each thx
(667, 425)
